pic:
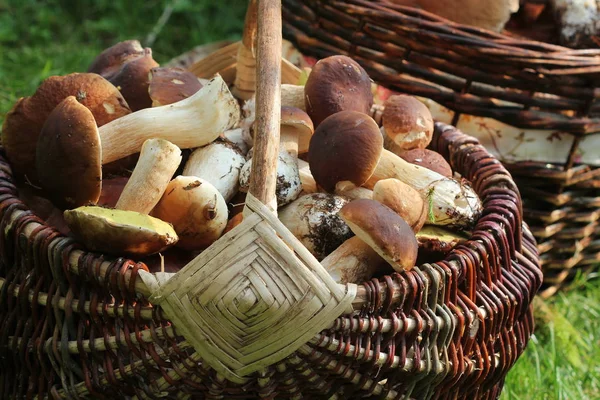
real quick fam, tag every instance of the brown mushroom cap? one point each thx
(337, 83)
(345, 147)
(69, 156)
(133, 80)
(428, 159)
(111, 59)
(296, 120)
(407, 122)
(24, 122)
(384, 230)
(403, 199)
(119, 232)
(170, 85)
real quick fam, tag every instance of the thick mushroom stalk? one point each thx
(293, 96)
(347, 151)
(449, 201)
(289, 185)
(192, 122)
(158, 162)
(308, 182)
(314, 220)
(220, 164)
(196, 209)
(353, 262)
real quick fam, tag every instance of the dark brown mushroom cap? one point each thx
(384, 230)
(69, 156)
(170, 85)
(133, 80)
(407, 122)
(345, 147)
(24, 122)
(111, 59)
(337, 83)
(428, 159)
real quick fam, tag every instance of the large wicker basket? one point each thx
(249, 317)
(525, 87)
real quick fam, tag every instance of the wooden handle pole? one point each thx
(268, 103)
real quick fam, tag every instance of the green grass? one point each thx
(54, 37)
(562, 361)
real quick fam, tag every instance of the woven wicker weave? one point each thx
(524, 84)
(256, 316)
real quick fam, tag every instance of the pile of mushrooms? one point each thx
(364, 199)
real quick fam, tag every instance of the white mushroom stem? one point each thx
(289, 185)
(353, 261)
(196, 210)
(218, 163)
(449, 201)
(158, 162)
(353, 193)
(308, 182)
(288, 140)
(293, 96)
(192, 122)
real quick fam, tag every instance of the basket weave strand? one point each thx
(451, 329)
(473, 72)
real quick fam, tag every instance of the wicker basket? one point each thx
(255, 315)
(520, 85)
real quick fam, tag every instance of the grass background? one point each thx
(55, 37)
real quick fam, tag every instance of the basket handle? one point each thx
(268, 100)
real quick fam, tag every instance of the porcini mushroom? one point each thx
(220, 164)
(337, 83)
(25, 121)
(384, 230)
(193, 122)
(314, 220)
(170, 85)
(347, 151)
(133, 79)
(119, 232)
(196, 209)
(407, 123)
(158, 162)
